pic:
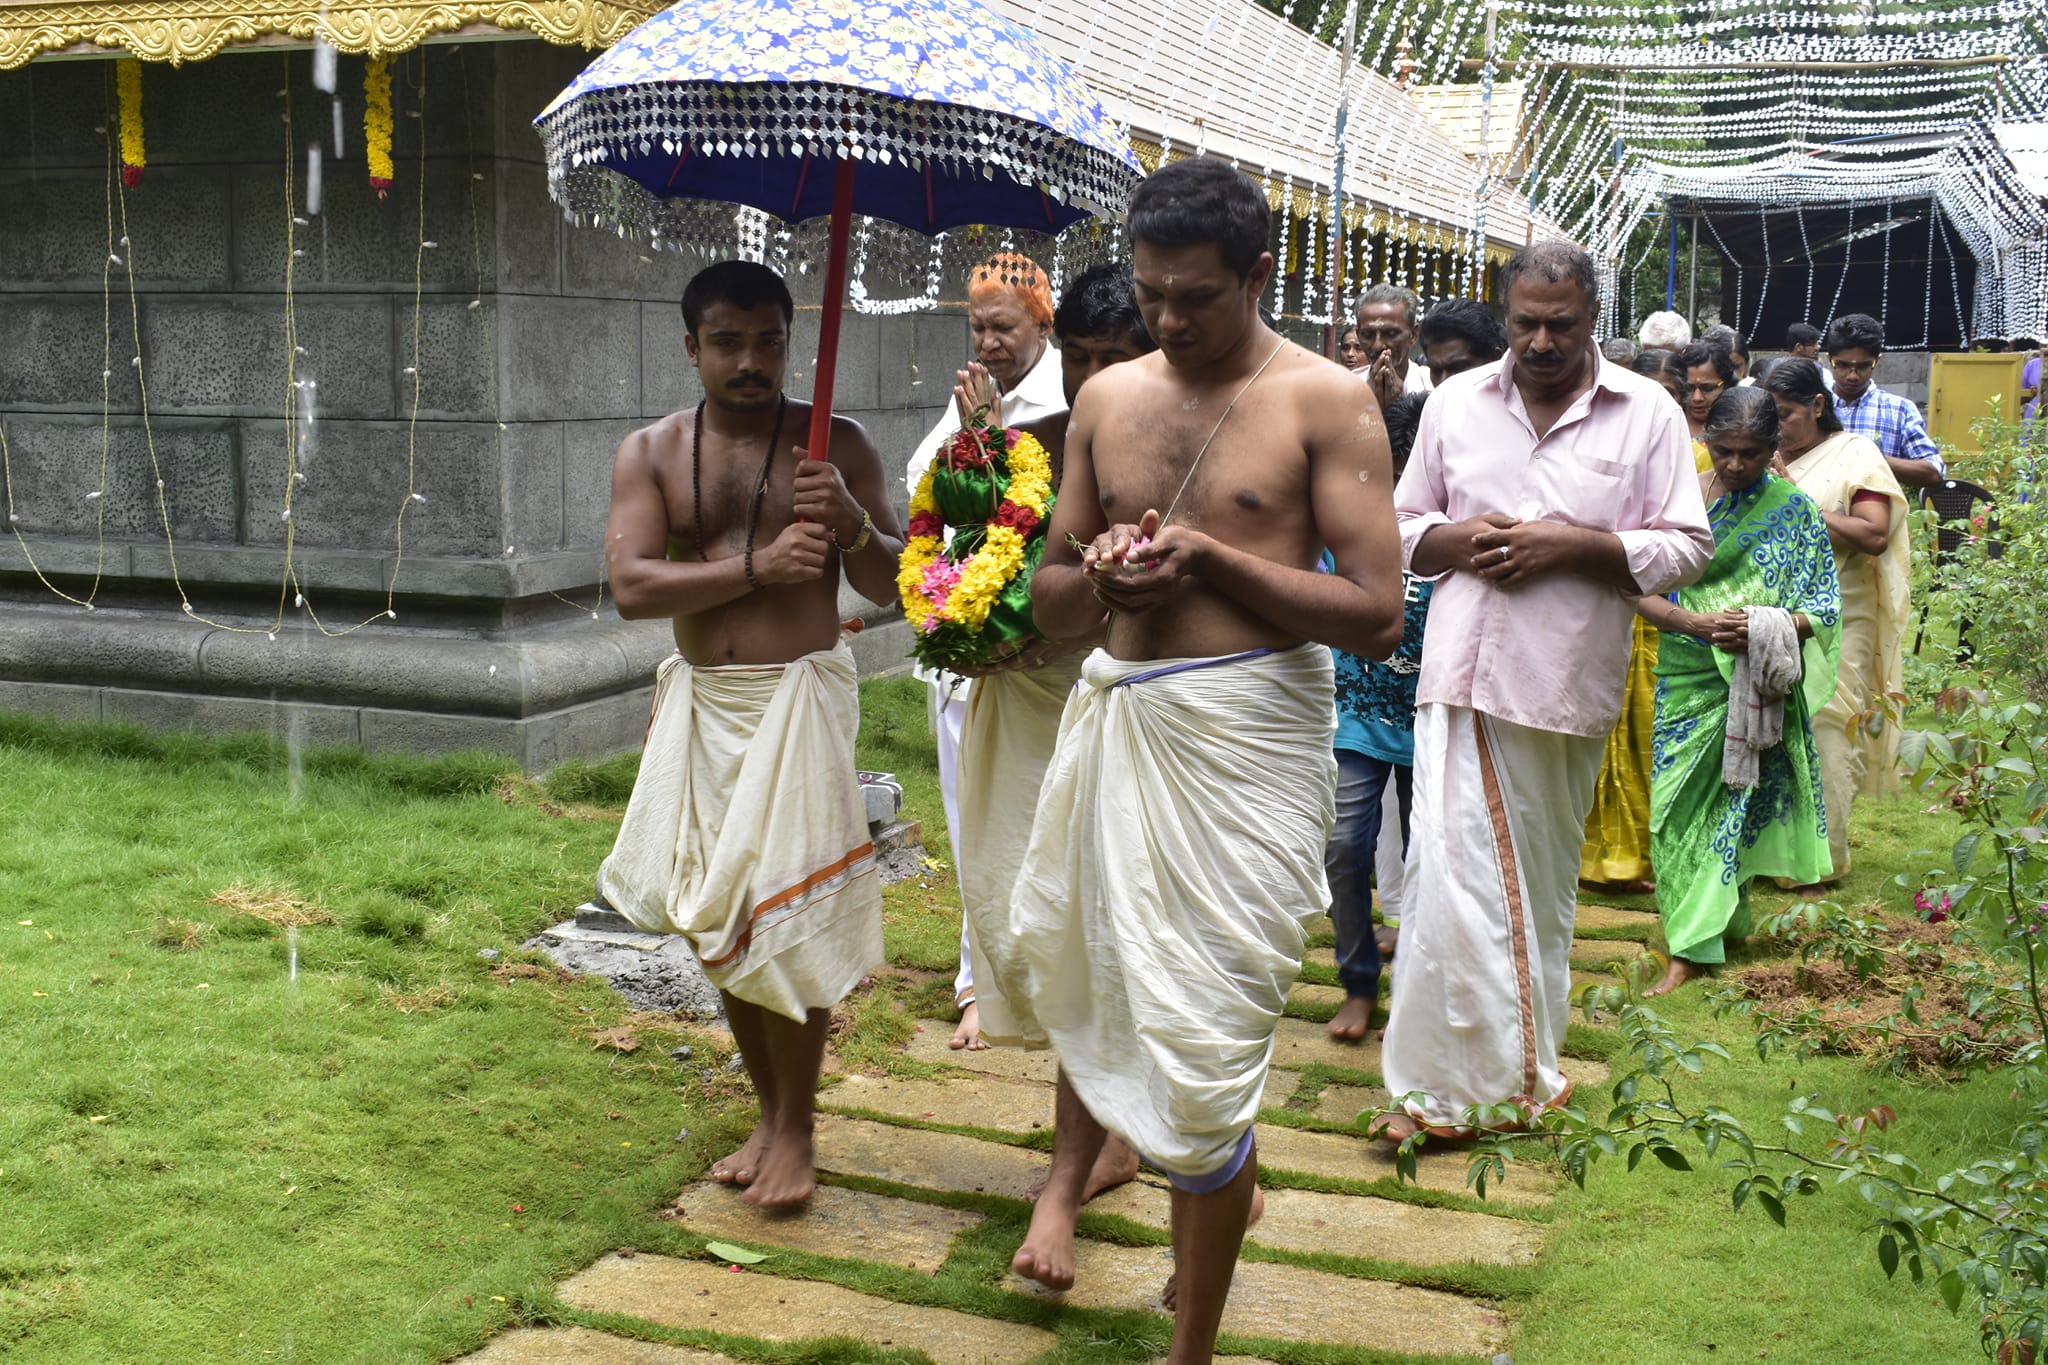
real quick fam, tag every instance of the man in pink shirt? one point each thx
(1546, 492)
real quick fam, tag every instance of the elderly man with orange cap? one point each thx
(1009, 316)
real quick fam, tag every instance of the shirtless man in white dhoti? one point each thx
(746, 832)
(1177, 855)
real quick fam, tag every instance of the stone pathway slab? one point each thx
(1589, 953)
(1352, 1225)
(582, 1346)
(933, 1161)
(1280, 1088)
(1319, 997)
(695, 1295)
(1339, 1156)
(1298, 1043)
(836, 1222)
(1293, 1304)
(978, 1101)
(1614, 917)
(1344, 1103)
(1015, 1062)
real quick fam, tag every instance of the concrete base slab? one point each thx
(1293, 1304)
(582, 1346)
(695, 1295)
(1344, 1103)
(836, 1222)
(653, 971)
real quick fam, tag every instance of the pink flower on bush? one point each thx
(1936, 911)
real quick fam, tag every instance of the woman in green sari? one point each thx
(1710, 832)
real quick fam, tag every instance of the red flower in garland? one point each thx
(967, 450)
(928, 524)
(1022, 519)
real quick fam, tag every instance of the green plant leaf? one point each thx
(726, 1251)
(1966, 851)
(1772, 1206)
(1674, 1158)
(1888, 1254)
(1951, 1287)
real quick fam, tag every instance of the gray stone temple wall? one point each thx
(541, 345)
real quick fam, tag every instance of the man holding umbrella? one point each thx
(746, 832)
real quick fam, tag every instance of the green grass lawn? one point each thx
(403, 1149)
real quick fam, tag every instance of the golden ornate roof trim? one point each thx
(176, 32)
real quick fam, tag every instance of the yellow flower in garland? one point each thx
(950, 603)
(134, 152)
(377, 124)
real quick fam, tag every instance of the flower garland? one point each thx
(949, 596)
(377, 123)
(134, 155)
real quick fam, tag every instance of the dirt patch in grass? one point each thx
(272, 905)
(531, 971)
(178, 935)
(515, 790)
(1838, 1009)
(423, 1001)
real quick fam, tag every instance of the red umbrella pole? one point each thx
(819, 446)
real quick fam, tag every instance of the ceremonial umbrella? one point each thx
(951, 114)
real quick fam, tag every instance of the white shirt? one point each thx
(1041, 393)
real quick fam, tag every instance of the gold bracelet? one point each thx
(860, 542)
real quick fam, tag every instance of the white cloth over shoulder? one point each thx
(1175, 863)
(1762, 676)
(746, 832)
(1012, 724)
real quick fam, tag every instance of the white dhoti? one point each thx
(1006, 742)
(1482, 984)
(746, 832)
(1174, 866)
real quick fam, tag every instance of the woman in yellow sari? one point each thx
(1865, 511)
(1616, 853)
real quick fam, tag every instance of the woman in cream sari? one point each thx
(1865, 511)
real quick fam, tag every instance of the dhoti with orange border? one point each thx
(1482, 984)
(746, 832)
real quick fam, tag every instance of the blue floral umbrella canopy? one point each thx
(953, 114)
(929, 114)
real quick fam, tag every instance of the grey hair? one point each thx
(1553, 262)
(1392, 293)
(1744, 412)
(1665, 331)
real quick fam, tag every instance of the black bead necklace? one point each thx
(760, 486)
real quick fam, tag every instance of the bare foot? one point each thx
(787, 1173)
(1387, 937)
(740, 1167)
(1677, 974)
(1350, 1023)
(1171, 1294)
(1115, 1164)
(1047, 1255)
(968, 1035)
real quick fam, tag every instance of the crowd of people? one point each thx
(1485, 612)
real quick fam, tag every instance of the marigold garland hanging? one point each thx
(970, 601)
(377, 124)
(134, 155)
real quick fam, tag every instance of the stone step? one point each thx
(1390, 1230)
(928, 1044)
(1300, 1042)
(582, 1346)
(1293, 1304)
(1316, 997)
(702, 1297)
(837, 1222)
